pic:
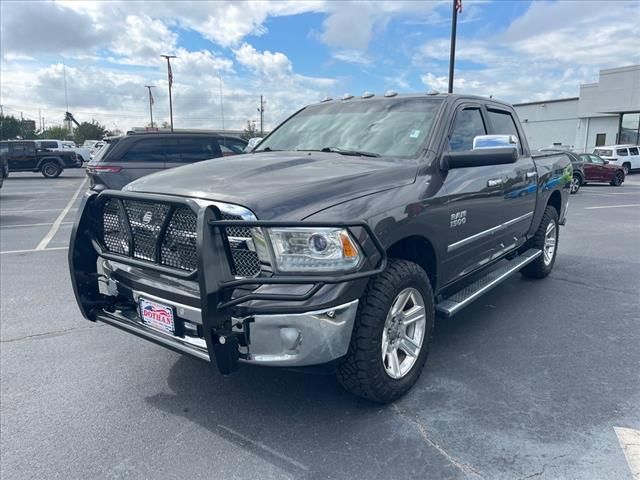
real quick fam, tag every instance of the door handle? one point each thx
(531, 174)
(494, 182)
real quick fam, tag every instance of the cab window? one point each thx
(467, 125)
(502, 123)
(622, 152)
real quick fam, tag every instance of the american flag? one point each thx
(151, 97)
(458, 6)
(170, 74)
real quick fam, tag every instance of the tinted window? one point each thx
(146, 150)
(23, 147)
(46, 144)
(194, 149)
(502, 124)
(633, 151)
(595, 159)
(4, 148)
(231, 146)
(622, 152)
(467, 125)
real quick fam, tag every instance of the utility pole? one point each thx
(170, 77)
(149, 87)
(457, 8)
(261, 111)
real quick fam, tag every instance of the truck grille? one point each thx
(167, 235)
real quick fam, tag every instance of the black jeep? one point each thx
(28, 156)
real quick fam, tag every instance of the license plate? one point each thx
(157, 316)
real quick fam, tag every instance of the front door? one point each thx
(475, 199)
(22, 156)
(595, 171)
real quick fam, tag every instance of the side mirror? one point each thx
(479, 158)
(495, 141)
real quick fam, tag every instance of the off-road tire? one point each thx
(50, 169)
(362, 371)
(617, 179)
(538, 268)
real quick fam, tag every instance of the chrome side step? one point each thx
(460, 299)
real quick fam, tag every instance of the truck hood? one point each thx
(282, 185)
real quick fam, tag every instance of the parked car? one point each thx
(96, 148)
(29, 156)
(89, 144)
(337, 240)
(253, 143)
(625, 156)
(4, 163)
(600, 170)
(60, 145)
(132, 156)
(577, 165)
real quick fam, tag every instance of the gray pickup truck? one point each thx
(337, 241)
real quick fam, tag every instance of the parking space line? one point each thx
(34, 225)
(34, 250)
(56, 225)
(614, 206)
(629, 440)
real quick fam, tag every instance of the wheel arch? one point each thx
(417, 249)
(49, 159)
(555, 201)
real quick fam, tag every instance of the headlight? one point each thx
(308, 249)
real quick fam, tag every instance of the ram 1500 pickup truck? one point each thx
(336, 241)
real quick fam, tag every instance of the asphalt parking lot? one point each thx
(531, 381)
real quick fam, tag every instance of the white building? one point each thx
(605, 113)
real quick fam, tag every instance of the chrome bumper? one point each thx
(287, 340)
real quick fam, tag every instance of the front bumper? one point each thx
(279, 320)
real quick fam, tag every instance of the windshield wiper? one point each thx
(354, 153)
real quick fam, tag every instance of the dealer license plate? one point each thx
(157, 316)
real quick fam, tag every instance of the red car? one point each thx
(598, 170)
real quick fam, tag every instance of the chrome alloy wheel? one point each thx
(550, 240)
(575, 184)
(403, 333)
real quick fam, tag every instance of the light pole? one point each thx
(149, 87)
(457, 8)
(261, 111)
(170, 76)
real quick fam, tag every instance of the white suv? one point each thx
(627, 156)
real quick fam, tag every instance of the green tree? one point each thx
(9, 127)
(250, 131)
(89, 131)
(54, 133)
(165, 124)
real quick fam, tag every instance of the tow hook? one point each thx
(227, 352)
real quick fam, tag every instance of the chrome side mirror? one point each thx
(495, 141)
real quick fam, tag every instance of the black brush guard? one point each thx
(213, 274)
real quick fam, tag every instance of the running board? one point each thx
(460, 299)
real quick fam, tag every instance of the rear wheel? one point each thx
(51, 169)
(626, 167)
(576, 181)
(391, 336)
(617, 179)
(545, 239)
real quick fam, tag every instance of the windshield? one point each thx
(603, 152)
(395, 127)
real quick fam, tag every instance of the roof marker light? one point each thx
(326, 99)
(433, 92)
(347, 96)
(390, 93)
(368, 95)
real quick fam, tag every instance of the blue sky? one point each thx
(295, 53)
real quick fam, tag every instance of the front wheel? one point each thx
(617, 179)
(51, 169)
(545, 239)
(576, 181)
(626, 167)
(391, 336)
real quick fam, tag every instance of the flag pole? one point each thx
(170, 77)
(149, 87)
(457, 6)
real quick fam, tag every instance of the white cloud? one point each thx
(274, 64)
(355, 57)
(142, 41)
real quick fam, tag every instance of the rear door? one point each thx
(475, 199)
(22, 156)
(187, 149)
(634, 157)
(520, 181)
